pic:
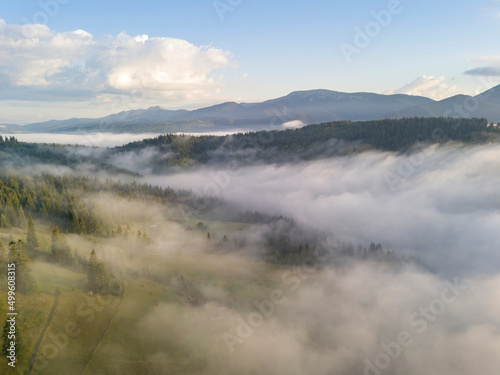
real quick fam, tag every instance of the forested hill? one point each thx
(313, 141)
(165, 152)
(16, 154)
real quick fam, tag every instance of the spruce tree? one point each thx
(54, 240)
(25, 280)
(22, 222)
(4, 222)
(92, 271)
(59, 247)
(4, 257)
(32, 237)
(5, 338)
(12, 256)
(10, 213)
(97, 275)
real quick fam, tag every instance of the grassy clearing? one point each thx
(180, 282)
(121, 351)
(33, 311)
(50, 276)
(76, 329)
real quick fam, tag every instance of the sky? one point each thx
(71, 58)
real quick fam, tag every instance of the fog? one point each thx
(361, 317)
(440, 203)
(234, 312)
(365, 317)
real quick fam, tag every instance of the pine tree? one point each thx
(25, 280)
(92, 272)
(3, 256)
(12, 252)
(102, 279)
(22, 222)
(97, 275)
(54, 242)
(5, 338)
(10, 213)
(75, 222)
(4, 222)
(59, 247)
(32, 237)
(83, 227)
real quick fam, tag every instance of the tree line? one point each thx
(64, 198)
(388, 134)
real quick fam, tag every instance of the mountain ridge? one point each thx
(307, 106)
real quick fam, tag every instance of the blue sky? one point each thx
(247, 50)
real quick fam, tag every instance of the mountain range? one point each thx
(308, 107)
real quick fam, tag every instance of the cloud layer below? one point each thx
(440, 203)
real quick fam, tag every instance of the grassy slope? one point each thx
(108, 341)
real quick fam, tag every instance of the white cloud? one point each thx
(162, 64)
(293, 124)
(37, 60)
(428, 86)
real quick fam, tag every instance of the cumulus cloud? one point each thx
(42, 60)
(428, 86)
(35, 59)
(161, 64)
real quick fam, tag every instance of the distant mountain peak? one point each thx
(307, 106)
(493, 92)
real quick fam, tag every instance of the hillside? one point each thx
(288, 146)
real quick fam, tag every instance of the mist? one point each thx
(438, 202)
(220, 304)
(323, 317)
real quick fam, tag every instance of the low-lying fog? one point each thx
(359, 318)
(440, 203)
